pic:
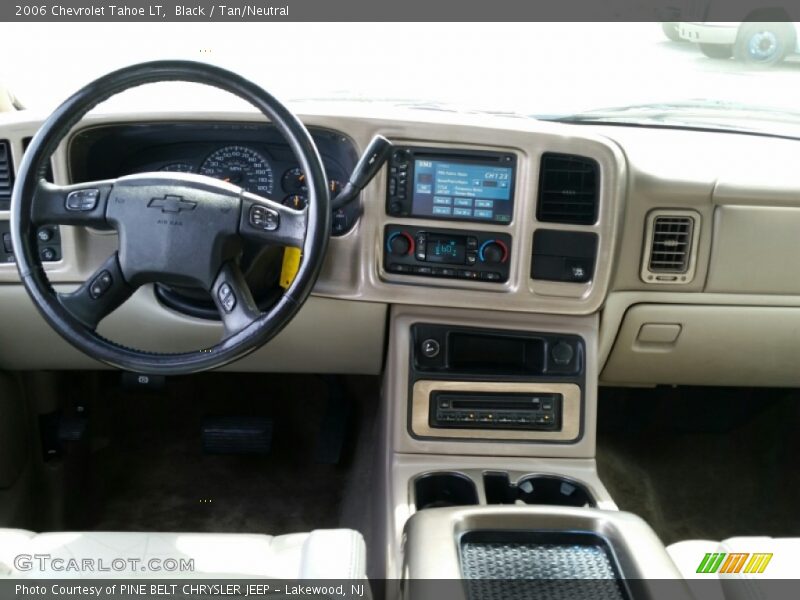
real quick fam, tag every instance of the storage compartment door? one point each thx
(755, 251)
(706, 345)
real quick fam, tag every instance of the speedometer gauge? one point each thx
(240, 166)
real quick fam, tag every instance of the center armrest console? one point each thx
(522, 552)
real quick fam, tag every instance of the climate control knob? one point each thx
(400, 243)
(493, 252)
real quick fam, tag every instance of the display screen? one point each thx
(451, 249)
(462, 190)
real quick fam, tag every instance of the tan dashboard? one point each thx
(684, 220)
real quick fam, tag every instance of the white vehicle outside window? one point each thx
(750, 42)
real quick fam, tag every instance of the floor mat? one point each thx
(148, 471)
(704, 463)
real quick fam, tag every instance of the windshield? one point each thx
(545, 70)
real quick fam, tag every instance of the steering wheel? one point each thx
(174, 228)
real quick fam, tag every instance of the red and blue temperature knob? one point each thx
(493, 252)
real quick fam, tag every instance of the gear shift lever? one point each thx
(369, 164)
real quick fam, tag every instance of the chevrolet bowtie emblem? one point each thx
(172, 204)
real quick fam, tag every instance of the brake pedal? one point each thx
(237, 435)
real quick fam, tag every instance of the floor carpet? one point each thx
(148, 471)
(703, 462)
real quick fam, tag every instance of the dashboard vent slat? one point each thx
(671, 238)
(6, 175)
(568, 189)
(669, 251)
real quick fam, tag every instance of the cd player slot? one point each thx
(472, 404)
(527, 411)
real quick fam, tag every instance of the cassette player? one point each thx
(528, 411)
(447, 253)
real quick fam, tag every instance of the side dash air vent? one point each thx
(568, 189)
(6, 175)
(671, 245)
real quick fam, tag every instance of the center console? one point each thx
(534, 536)
(491, 394)
(487, 410)
(511, 534)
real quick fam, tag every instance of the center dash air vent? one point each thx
(568, 189)
(6, 175)
(671, 246)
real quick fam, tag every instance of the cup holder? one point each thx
(535, 489)
(435, 490)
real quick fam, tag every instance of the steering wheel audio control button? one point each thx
(227, 299)
(264, 218)
(82, 200)
(100, 284)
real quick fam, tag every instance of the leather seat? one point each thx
(321, 554)
(688, 554)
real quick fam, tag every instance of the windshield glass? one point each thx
(546, 70)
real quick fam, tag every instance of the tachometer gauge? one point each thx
(294, 181)
(240, 166)
(297, 201)
(178, 167)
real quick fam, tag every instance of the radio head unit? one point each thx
(460, 185)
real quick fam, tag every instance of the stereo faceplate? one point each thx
(454, 185)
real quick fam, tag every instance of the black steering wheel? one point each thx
(174, 228)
